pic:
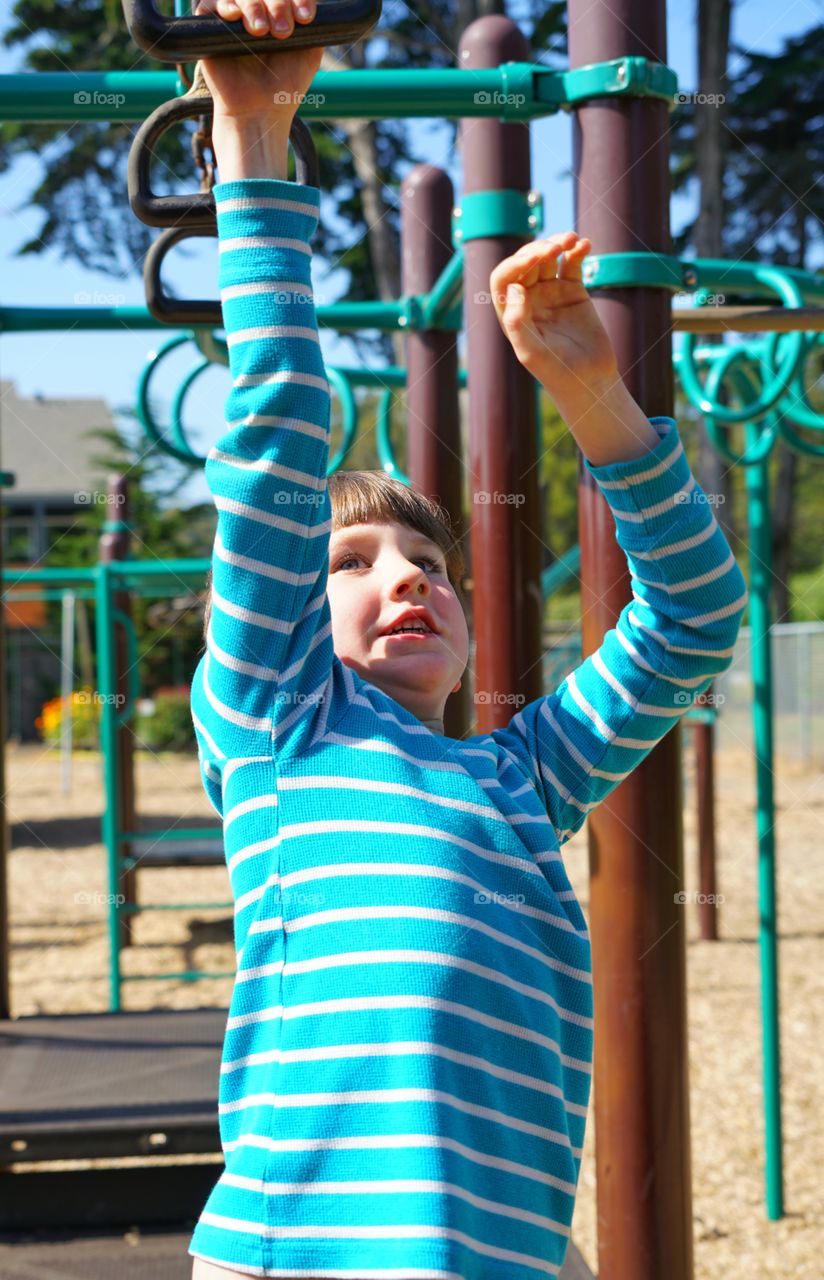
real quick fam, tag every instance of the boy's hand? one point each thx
(261, 87)
(548, 316)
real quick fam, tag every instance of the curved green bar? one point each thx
(780, 380)
(796, 408)
(762, 444)
(385, 453)
(349, 411)
(144, 412)
(177, 410)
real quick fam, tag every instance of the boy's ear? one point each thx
(457, 687)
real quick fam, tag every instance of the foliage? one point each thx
(168, 643)
(168, 727)
(774, 146)
(83, 192)
(85, 715)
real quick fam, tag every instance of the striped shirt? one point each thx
(408, 1053)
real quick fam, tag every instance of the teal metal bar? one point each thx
(760, 555)
(716, 275)
(403, 314)
(445, 293)
(514, 91)
(70, 577)
(760, 551)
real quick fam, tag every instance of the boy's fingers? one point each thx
(538, 261)
(572, 261)
(304, 10)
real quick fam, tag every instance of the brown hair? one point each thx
(373, 497)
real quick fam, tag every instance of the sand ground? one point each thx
(58, 890)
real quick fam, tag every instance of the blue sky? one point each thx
(108, 365)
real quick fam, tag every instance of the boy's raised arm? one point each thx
(689, 595)
(269, 647)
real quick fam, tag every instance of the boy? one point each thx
(408, 1052)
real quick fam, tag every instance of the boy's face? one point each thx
(376, 573)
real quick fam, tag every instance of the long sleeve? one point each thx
(578, 743)
(269, 648)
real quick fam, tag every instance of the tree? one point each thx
(83, 190)
(160, 530)
(773, 152)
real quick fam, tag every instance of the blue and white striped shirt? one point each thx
(407, 1062)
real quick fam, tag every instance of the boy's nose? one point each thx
(415, 578)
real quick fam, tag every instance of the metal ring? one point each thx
(781, 377)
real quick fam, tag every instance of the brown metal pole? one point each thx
(435, 463)
(638, 930)
(114, 544)
(505, 512)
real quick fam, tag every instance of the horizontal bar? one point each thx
(748, 319)
(513, 91)
(413, 313)
(119, 569)
(157, 568)
(69, 576)
(406, 313)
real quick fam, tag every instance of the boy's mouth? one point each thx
(412, 622)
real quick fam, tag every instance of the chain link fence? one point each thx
(798, 687)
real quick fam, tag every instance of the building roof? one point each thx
(45, 443)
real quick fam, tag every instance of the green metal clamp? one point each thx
(505, 212)
(622, 77)
(638, 270)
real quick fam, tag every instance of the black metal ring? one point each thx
(197, 208)
(187, 37)
(177, 311)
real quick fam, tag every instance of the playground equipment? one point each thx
(619, 91)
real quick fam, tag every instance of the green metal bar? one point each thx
(716, 275)
(760, 557)
(564, 569)
(122, 569)
(445, 293)
(106, 683)
(127, 569)
(68, 576)
(701, 715)
(760, 541)
(514, 91)
(402, 314)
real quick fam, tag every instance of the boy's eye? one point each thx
(432, 564)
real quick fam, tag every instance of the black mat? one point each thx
(70, 1085)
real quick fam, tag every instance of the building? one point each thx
(47, 447)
